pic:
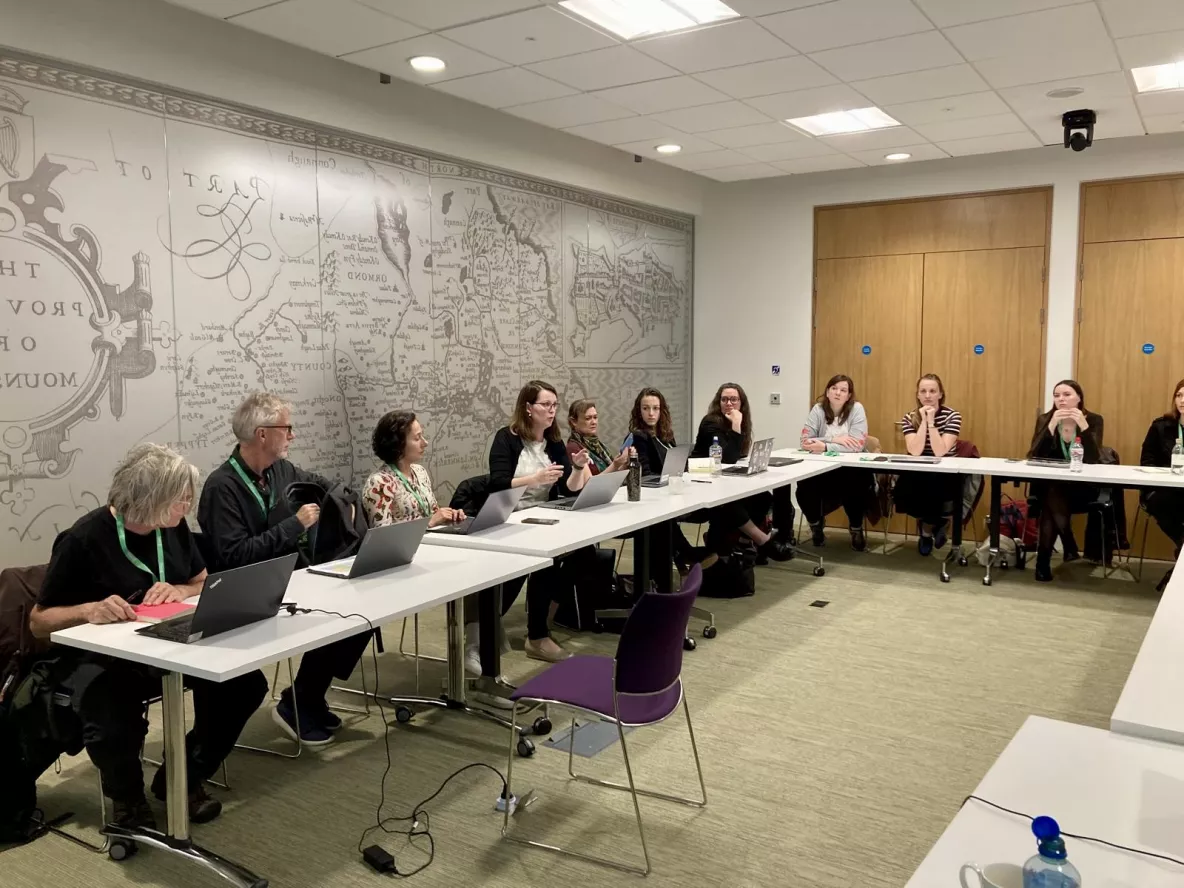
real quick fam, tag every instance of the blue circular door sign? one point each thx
(867, 349)
(978, 349)
(1148, 348)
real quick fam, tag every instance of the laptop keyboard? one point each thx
(462, 527)
(564, 503)
(735, 470)
(173, 630)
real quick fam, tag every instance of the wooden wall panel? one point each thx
(1140, 209)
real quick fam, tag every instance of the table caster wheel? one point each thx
(688, 643)
(963, 561)
(542, 725)
(121, 850)
(945, 578)
(403, 715)
(525, 747)
(986, 581)
(820, 571)
(709, 632)
(1004, 564)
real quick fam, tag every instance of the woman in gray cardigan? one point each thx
(836, 423)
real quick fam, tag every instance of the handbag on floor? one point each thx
(733, 575)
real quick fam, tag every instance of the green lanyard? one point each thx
(411, 489)
(1061, 440)
(265, 508)
(159, 575)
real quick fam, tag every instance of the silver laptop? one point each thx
(674, 464)
(498, 507)
(384, 547)
(599, 490)
(229, 600)
(909, 458)
(1047, 463)
(758, 459)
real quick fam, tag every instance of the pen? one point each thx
(700, 480)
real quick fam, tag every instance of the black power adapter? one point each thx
(378, 859)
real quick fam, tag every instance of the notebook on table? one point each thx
(155, 613)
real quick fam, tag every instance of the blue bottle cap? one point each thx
(1048, 838)
(1044, 827)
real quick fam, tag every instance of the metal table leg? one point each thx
(955, 553)
(993, 526)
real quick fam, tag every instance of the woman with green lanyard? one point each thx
(402, 490)
(1165, 504)
(1059, 501)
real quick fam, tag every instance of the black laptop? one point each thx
(498, 507)
(229, 600)
(383, 547)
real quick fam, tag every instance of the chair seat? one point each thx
(586, 681)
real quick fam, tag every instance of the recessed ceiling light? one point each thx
(838, 122)
(1156, 77)
(427, 64)
(1065, 92)
(638, 18)
(899, 155)
(668, 149)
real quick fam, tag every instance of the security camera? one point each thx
(1079, 128)
(637, 158)
(384, 79)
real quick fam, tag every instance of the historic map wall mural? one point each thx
(160, 256)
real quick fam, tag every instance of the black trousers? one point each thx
(847, 487)
(725, 520)
(319, 667)
(110, 698)
(924, 496)
(1167, 508)
(578, 570)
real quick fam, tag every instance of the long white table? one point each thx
(1095, 783)
(436, 576)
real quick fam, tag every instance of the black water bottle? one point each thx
(633, 482)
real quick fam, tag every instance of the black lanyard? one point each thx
(157, 577)
(265, 508)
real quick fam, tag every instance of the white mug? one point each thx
(993, 875)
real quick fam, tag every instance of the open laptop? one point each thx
(779, 462)
(1047, 463)
(909, 458)
(498, 507)
(599, 490)
(674, 464)
(758, 459)
(384, 547)
(229, 599)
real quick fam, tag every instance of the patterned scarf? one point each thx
(599, 453)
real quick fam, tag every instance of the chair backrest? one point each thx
(649, 654)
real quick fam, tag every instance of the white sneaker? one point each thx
(473, 660)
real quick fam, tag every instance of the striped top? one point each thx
(947, 420)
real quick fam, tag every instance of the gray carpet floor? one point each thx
(837, 743)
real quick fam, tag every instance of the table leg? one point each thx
(993, 526)
(955, 553)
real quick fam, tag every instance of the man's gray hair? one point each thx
(149, 481)
(257, 409)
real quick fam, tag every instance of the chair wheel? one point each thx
(525, 747)
(121, 850)
(1004, 564)
(709, 632)
(986, 581)
(963, 561)
(945, 578)
(820, 571)
(542, 725)
(403, 715)
(688, 643)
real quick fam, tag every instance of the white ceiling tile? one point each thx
(819, 164)
(436, 14)
(947, 13)
(570, 111)
(955, 80)
(971, 128)
(603, 68)
(690, 145)
(805, 102)
(627, 129)
(979, 104)
(1157, 103)
(710, 160)
(1126, 18)
(662, 95)
(845, 22)
(989, 144)
(760, 134)
(1164, 123)
(892, 137)
(1151, 49)
(392, 59)
(509, 86)
(530, 36)
(1118, 118)
(221, 8)
(720, 46)
(1078, 28)
(918, 152)
(711, 117)
(745, 171)
(766, 78)
(897, 55)
(754, 8)
(1060, 62)
(1098, 89)
(329, 26)
(788, 150)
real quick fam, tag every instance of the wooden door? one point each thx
(1132, 295)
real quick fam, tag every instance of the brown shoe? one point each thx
(545, 649)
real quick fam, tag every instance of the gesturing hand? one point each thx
(548, 476)
(579, 459)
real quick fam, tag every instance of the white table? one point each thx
(436, 576)
(1121, 789)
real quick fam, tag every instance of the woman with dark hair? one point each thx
(836, 423)
(931, 429)
(584, 421)
(729, 422)
(652, 430)
(1165, 505)
(402, 490)
(1055, 432)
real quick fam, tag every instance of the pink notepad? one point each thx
(154, 613)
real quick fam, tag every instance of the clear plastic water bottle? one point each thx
(717, 455)
(1076, 456)
(1049, 867)
(1178, 458)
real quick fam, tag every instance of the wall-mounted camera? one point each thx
(1079, 128)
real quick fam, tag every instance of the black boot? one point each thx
(133, 814)
(818, 533)
(1044, 566)
(775, 550)
(202, 806)
(858, 541)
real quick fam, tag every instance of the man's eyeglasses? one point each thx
(287, 429)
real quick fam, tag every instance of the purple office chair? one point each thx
(641, 685)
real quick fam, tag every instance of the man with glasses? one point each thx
(245, 517)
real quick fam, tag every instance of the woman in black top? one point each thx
(729, 421)
(1054, 434)
(1165, 505)
(136, 550)
(653, 436)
